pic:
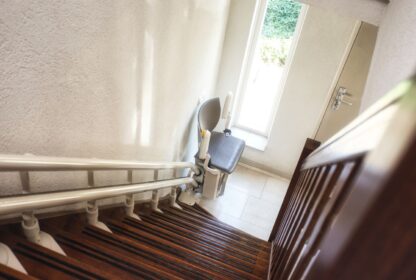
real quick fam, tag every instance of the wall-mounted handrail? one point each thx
(42, 163)
(28, 163)
(29, 202)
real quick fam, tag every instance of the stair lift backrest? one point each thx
(209, 114)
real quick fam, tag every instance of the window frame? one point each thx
(252, 42)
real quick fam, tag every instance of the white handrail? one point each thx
(29, 202)
(28, 163)
(43, 163)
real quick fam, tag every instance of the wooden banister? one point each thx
(309, 147)
(352, 200)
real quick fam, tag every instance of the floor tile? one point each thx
(231, 203)
(256, 231)
(259, 212)
(250, 203)
(248, 181)
(250, 228)
(275, 189)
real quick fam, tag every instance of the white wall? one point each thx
(394, 57)
(236, 36)
(322, 44)
(106, 79)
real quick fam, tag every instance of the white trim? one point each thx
(251, 139)
(261, 7)
(250, 130)
(263, 172)
(255, 31)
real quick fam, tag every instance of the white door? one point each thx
(345, 102)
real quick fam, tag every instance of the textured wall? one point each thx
(107, 79)
(394, 57)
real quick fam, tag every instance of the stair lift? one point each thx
(218, 154)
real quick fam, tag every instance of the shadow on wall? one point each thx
(189, 143)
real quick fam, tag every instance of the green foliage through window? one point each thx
(280, 20)
(274, 51)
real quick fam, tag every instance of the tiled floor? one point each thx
(251, 201)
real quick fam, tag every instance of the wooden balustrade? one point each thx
(349, 210)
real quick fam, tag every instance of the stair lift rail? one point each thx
(31, 202)
(27, 204)
(42, 163)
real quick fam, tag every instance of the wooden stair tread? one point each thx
(43, 263)
(178, 244)
(12, 274)
(215, 252)
(198, 209)
(179, 251)
(204, 236)
(214, 234)
(216, 224)
(200, 238)
(124, 265)
(111, 248)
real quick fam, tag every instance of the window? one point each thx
(265, 62)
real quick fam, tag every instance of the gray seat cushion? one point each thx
(225, 151)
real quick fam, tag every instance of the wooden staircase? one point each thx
(176, 244)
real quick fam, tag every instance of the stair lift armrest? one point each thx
(203, 148)
(227, 112)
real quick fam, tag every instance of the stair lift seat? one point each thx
(224, 150)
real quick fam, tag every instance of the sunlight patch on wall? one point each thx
(147, 90)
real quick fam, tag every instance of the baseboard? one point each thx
(264, 170)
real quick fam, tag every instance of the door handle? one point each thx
(339, 98)
(346, 102)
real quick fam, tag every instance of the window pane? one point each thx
(261, 93)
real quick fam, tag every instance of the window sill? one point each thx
(252, 140)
